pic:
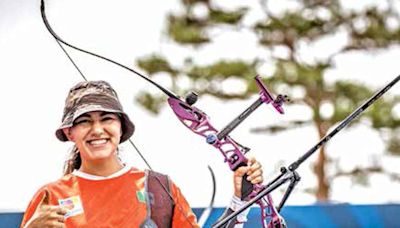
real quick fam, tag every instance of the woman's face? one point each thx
(96, 135)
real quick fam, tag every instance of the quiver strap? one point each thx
(160, 196)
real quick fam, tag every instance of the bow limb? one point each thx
(59, 39)
(207, 212)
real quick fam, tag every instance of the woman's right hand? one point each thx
(47, 216)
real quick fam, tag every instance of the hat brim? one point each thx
(128, 128)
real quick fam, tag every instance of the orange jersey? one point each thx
(112, 202)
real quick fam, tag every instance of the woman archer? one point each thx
(97, 188)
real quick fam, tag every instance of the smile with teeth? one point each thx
(97, 142)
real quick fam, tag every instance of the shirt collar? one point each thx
(88, 176)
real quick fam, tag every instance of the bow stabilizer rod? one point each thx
(344, 123)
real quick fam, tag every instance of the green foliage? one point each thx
(393, 145)
(155, 64)
(285, 30)
(369, 29)
(222, 70)
(295, 73)
(224, 17)
(189, 29)
(277, 128)
(347, 97)
(377, 33)
(186, 30)
(381, 115)
(193, 2)
(152, 103)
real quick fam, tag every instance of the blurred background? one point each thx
(327, 56)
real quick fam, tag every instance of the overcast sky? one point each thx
(36, 76)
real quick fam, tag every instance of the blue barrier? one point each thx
(10, 220)
(313, 216)
(326, 216)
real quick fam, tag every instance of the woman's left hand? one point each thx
(254, 175)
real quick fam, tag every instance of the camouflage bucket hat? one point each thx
(92, 96)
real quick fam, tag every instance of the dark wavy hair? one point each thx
(74, 161)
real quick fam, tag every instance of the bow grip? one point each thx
(247, 186)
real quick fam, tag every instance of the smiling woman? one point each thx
(97, 188)
(92, 120)
(96, 136)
